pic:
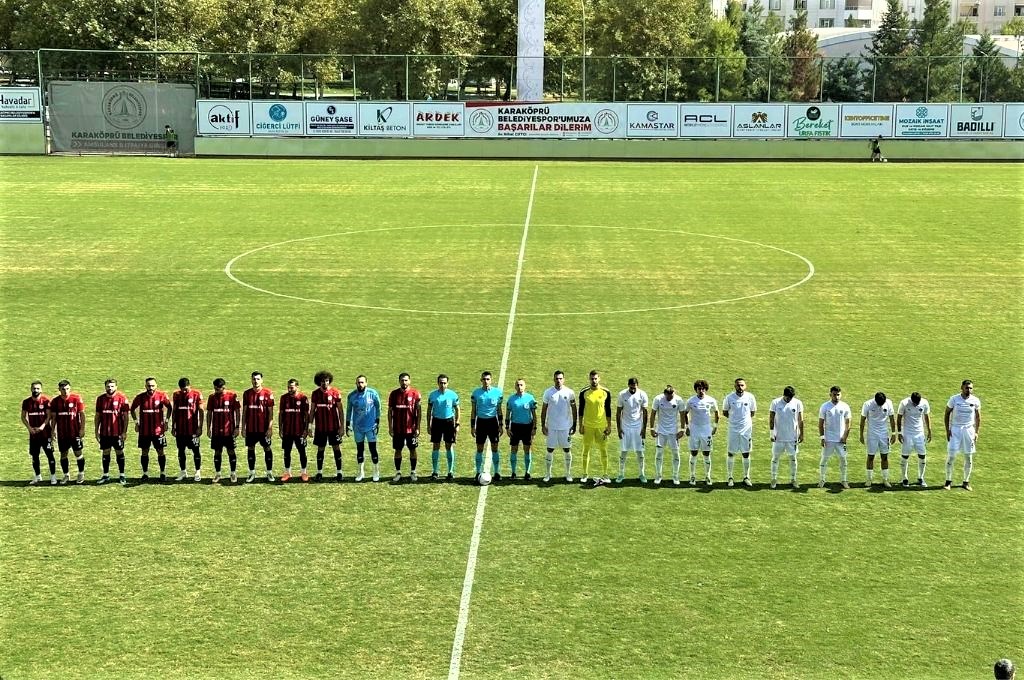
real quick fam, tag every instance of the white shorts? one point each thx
(740, 443)
(667, 441)
(631, 440)
(700, 443)
(558, 439)
(833, 448)
(877, 444)
(961, 440)
(912, 444)
(779, 448)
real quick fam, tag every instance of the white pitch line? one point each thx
(481, 504)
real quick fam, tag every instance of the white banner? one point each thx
(555, 120)
(223, 117)
(922, 120)
(866, 120)
(1014, 127)
(20, 105)
(812, 120)
(705, 120)
(438, 119)
(384, 119)
(976, 120)
(278, 119)
(652, 120)
(331, 119)
(759, 120)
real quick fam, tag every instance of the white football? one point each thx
(484, 478)
(885, 160)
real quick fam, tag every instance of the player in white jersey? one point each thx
(739, 408)
(963, 422)
(834, 420)
(631, 425)
(914, 431)
(667, 429)
(700, 423)
(880, 417)
(558, 423)
(786, 422)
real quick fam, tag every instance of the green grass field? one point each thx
(116, 267)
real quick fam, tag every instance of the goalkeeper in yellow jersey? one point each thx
(595, 405)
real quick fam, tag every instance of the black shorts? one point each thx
(288, 441)
(254, 438)
(219, 442)
(409, 440)
(73, 443)
(40, 444)
(442, 429)
(171, 144)
(156, 440)
(116, 443)
(321, 438)
(487, 428)
(186, 442)
(520, 433)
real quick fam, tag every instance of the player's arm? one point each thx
(582, 409)
(24, 421)
(533, 415)
(136, 403)
(684, 420)
(305, 412)
(168, 414)
(341, 417)
(430, 415)
(714, 423)
(899, 425)
(607, 413)
(618, 420)
(245, 409)
(847, 424)
(280, 419)
(682, 424)
(209, 423)
(501, 418)
(236, 417)
(863, 419)
(96, 420)
(771, 423)
(800, 427)
(270, 419)
(928, 426)
(544, 418)
(572, 409)
(472, 416)
(417, 417)
(376, 410)
(821, 430)
(643, 423)
(892, 426)
(946, 419)
(458, 415)
(977, 422)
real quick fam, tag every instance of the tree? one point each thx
(844, 80)
(801, 50)
(986, 79)
(756, 41)
(890, 47)
(938, 47)
(1015, 27)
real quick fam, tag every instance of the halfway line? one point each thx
(481, 504)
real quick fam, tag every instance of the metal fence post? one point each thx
(769, 79)
(584, 91)
(927, 78)
(355, 91)
(250, 75)
(614, 76)
(197, 75)
(874, 79)
(407, 77)
(962, 81)
(821, 82)
(39, 68)
(666, 78)
(561, 93)
(718, 79)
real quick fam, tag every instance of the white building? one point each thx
(987, 15)
(842, 42)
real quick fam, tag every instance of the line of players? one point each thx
(329, 417)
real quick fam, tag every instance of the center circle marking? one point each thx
(233, 261)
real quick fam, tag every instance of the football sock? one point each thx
(51, 462)
(746, 467)
(528, 462)
(622, 464)
(449, 457)
(268, 459)
(921, 464)
(250, 459)
(479, 462)
(568, 464)
(707, 464)
(775, 466)
(197, 459)
(119, 458)
(513, 460)
(373, 453)
(303, 460)
(161, 460)
(730, 461)
(659, 461)
(359, 451)
(904, 465)
(641, 461)
(105, 459)
(144, 460)
(495, 462)
(792, 467)
(949, 467)
(362, 469)
(217, 458)
(871, 474)
(337, 460)
(677, 463)
(435, 459)
(822, 466)
(64, 465)
(968, 466)
(885, 474)
(35, 463)
(604, 462)
(842, 468)
(398, 462)
(287, 454)
(320, 460)
(549, 462)
(232, 460)
(412, 460)
(181, 459)
(693, 466)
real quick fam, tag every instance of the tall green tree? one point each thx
(801, 50)
(986, 78)
(938, 46)
(756, 41)
(844, 80)
(891, 45)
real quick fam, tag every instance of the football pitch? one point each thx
(896, 277)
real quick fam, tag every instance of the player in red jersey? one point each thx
(35, 417)
(258, 425)
(404, 424)
(293, 426)
(222, 423)
(151, 410)
(110, 421)
(67, 418)
(328, 412)
(187, 425)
